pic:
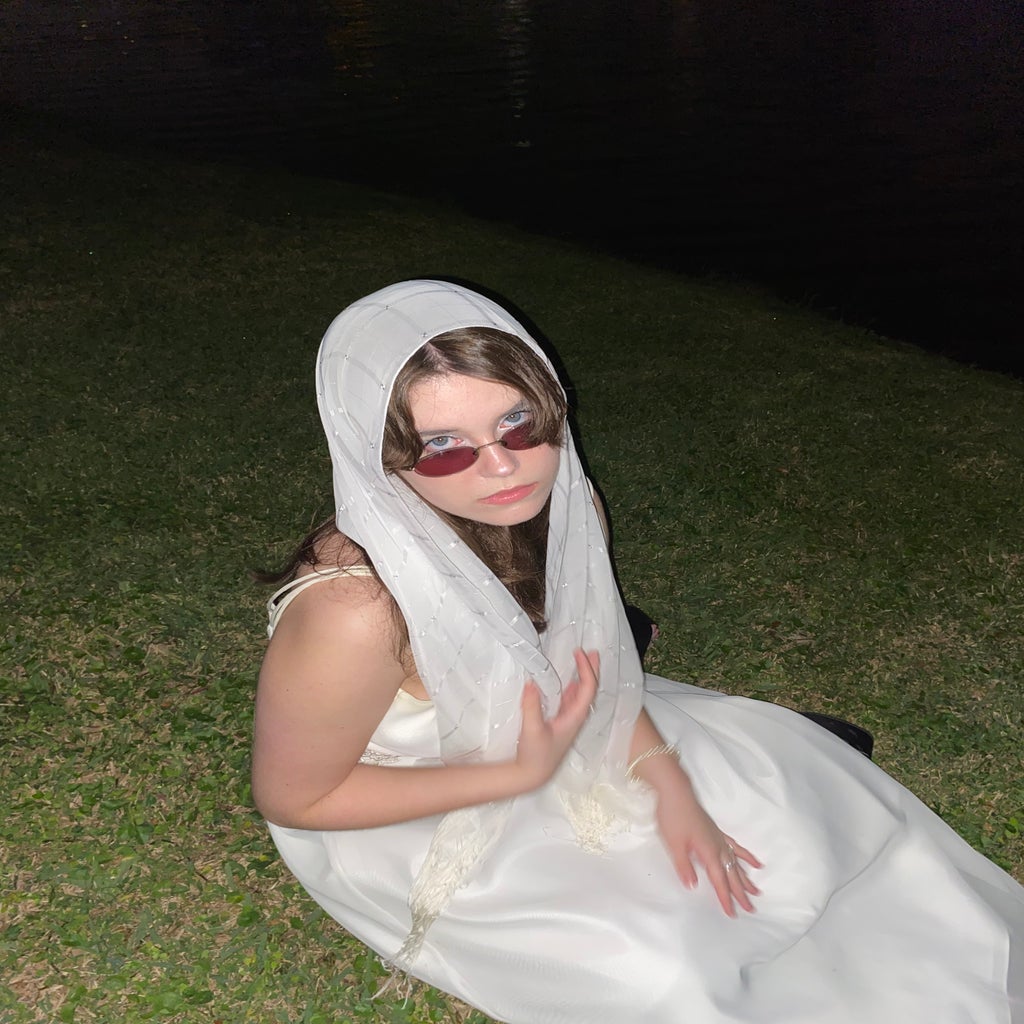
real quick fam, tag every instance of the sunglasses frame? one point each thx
(521, 431)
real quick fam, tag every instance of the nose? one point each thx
(495, 459)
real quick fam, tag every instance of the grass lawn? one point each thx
(814, 516)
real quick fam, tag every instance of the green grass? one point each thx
(814, 515)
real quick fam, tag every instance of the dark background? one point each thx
(862, 156)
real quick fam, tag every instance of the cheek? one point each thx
(547, 460)
(432, 489)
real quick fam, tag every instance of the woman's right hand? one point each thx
(543, 743)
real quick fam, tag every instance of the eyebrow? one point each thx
(521, 406)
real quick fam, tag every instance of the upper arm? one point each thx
(328, 677)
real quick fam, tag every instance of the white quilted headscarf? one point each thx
(473, 645)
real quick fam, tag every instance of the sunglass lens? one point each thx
(446, 463)
(519, 438)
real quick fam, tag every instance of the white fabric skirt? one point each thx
(873, 911)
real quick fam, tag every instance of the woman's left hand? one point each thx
(692, 838)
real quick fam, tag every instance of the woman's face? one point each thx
(502, 487)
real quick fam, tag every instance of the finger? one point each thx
(588, 664)
(748, 884)
(572, 713)
(741, 871)
(685, 871)
(587, 667)
(738, 883)
(723, 887)
(743, 853)
(570, 699)
(533, 713)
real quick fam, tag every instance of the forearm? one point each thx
(662, 772)
(374, 795)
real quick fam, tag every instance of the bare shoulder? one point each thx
(340, 603)
(337, 634)
(339, 617)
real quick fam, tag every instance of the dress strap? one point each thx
(283, 597)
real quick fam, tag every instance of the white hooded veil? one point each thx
(473, 645)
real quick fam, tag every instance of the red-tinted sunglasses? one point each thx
(455, 460)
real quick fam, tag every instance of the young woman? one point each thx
(462, 761)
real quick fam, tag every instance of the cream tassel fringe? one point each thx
(461, 841)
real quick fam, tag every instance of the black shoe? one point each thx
(643, 628)
(858, 738)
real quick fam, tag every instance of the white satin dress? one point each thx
(873, 911)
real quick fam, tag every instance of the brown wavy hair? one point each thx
(515, 554)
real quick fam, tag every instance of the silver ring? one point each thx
(729, 865)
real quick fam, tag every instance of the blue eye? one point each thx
(440, 444)
(516, 419)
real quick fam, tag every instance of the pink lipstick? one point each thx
(512, 495)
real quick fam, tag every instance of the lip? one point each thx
(510, 496)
